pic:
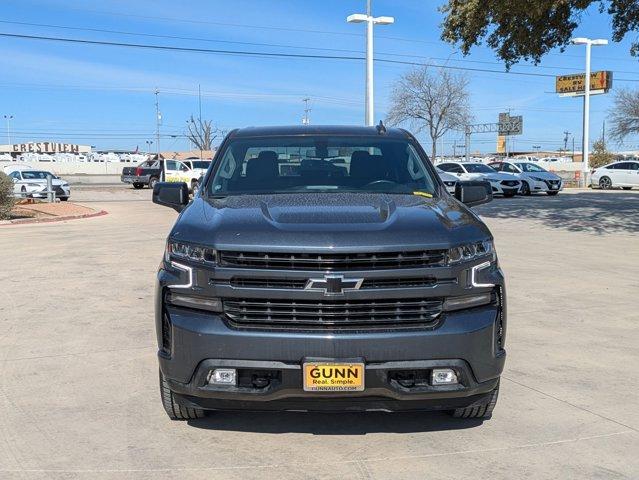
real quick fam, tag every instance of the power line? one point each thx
(244, 25)
(269, 54)
(278, 45)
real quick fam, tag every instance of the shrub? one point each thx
(600, 155)
(6, 195)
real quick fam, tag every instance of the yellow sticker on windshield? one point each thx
(423, 194)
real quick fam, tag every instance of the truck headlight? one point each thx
(471, 251)
(186, 251)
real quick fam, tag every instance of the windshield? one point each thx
(201, 164)
(320, 164)
(36, 175)
(529, 167)
(478, 168)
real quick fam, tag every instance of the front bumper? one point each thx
(383, 391)
(134, 179)
(499, 189)
(465, 341)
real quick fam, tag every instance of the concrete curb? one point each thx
(27, 221)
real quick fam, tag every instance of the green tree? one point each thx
(6, 195)
(527, 29)
(600, 155)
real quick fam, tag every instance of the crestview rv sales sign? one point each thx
(46, 147)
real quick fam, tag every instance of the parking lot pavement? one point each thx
(78, 374)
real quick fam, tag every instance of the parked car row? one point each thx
(505, 178)
(32, 183)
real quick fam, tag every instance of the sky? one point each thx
(104, 95)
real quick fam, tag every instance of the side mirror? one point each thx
(473, 193)
(171, 194)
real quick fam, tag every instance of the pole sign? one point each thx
(573, 85)
(510, 125)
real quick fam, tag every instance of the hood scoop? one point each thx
(330, 209)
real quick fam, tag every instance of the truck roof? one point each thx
(335, 130)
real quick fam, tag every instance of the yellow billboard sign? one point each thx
(501, 144)
(600, 82)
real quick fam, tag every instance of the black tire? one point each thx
(138, 186)
(605, 183)
(152, 182)
(627, 188)
(63, 199)
(479, 411)
(552, 194)
(525, 189)
(173, 410)
(510, 194)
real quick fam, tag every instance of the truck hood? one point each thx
(42, 181)
(497, 176)
(338, 221)
(542, 175)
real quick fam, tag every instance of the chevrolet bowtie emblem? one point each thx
(333, 284)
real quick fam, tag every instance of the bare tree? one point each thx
(625, 114)
(434, 101)
(201, 133)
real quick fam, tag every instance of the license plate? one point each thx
(333, 377)
(554, 187)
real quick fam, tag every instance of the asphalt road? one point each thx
(78, 374)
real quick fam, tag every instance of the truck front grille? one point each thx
(300, 284)
(510, 183)
(333, 261)
(333, 314)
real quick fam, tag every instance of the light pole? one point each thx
(8, 119)
(370, 21)
(148, 145)
(586, 124)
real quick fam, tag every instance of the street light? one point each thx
(586, 124)
(8, 119)
(370, 21)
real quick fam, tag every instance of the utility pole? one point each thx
(158, 121)
(8, 119)
(566, 133)
(603, 133)
(199, 98)
(369, 115)
(306, 120)
(467, 142)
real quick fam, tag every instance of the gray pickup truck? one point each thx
(148, 173)
(328, 268)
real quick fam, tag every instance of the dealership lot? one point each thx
(78, 374)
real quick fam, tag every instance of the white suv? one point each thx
(188, 171)
(617, 174)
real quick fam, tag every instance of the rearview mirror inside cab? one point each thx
(473, 193)
(171, 194)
